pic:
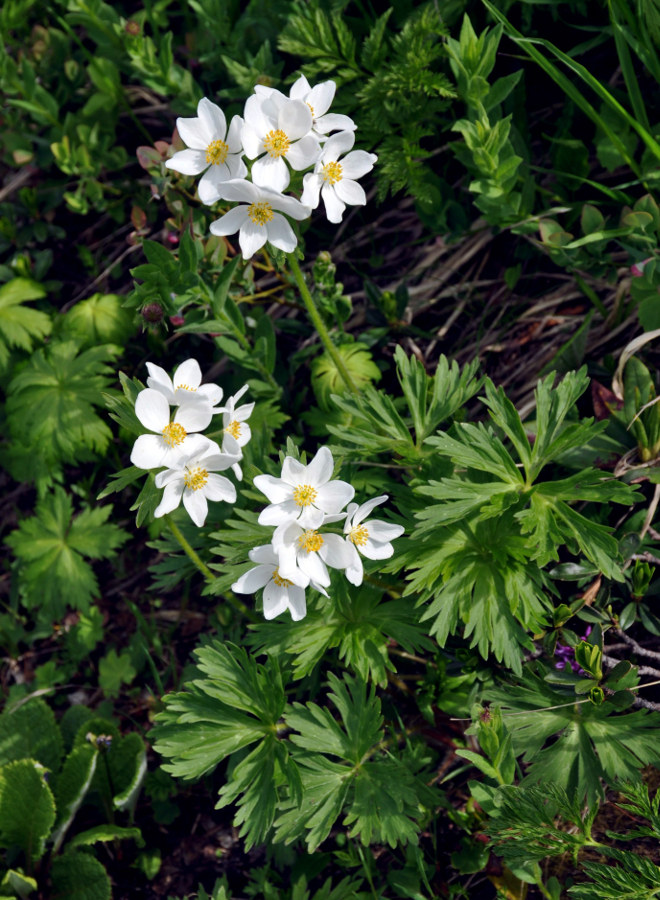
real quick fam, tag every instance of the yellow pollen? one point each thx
(277, 143)
(310, 541)
(331, 172)
(279, 581)
(359, 535)
(174, 434)
(216, 152)
(234, 429)
(260, 213)
(311, 109)
(195, 478)
(304, 495)
(184, 387)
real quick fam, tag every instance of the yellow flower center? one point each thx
(304, 495)
(359, 535)
(279, 581)
(184, 387)
(260, 213)
(311, 109)
(174, 434)
(195, 478)
(216, 152)
(310, 541)
(277, 143)
(234, 429)
(331, 172)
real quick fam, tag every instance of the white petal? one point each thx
(212, 393)
(253, 580)
(275, 600)
(238, 190)
(159, 380)
(188, 162)
(189, 374)
(321, 96)
(271, 172)
(256, 115)
(193, 134)
(299, 89)
(252, 143)
(334, 122)
(355, 573)
(335, 551)
(361, 512)
(358, 163)
(334, 208)
(350, 192)
(311, 190)
(319, 471)
(149, 452)
(336, 145)
(219, 488)
(292, 471)
(304, 153)
(236, 166)
(281, 235)
(209, 184)
(263, 554)
(297, 605)
(295, 119)
(194, 417)
(196, 505)
(171, 499)
(310, 517)
(213, 119)
(376, 550)
(278, 513)
(383, 531)
(334, 496)
(313, 566)
(251, 238)
(230, 222)
(152, 409)
(288, 205)
(234, 142)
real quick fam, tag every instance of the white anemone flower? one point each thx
(185, 386)
(212, 149)
(278, 129)
(235, 427)
(335, 179)
(258, 218)
(303, 494)
(193, 479)
(307, 552)
(280, 593)
(371, 538)
(172, 438)
(319, 99)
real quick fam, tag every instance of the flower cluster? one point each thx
(276, 133)
(304, 500)
(189, 460)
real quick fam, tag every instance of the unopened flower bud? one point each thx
(152, 312)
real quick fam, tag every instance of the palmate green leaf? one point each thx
(77, 875)
(636, 878)
(376, 426)
(478, 447)
(29, 731)
(27, 808)
(51, 406)
(21, 326)
(234, 703)
(51, 547)
(588, 742)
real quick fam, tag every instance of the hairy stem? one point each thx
(318, 323)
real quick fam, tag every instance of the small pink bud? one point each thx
(637, 269)
(177, 320)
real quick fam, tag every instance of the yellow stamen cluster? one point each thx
(304, 495)
(174, 434)
(310, 541)
(331, 172)
(359, 535)
(279, 581)
(195, 478)
(276, 143)
(216, 152)
(184, 387)
(260, 213)
(311, 109)
(234, 429)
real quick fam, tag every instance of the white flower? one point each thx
(371, 538)
(172, 439)
(335, 180)
(279, 593)
(318, 98)
(212, 149)
(280, 129)
(306, 553)
(235, 427)
(191, 478)
(257, 220)
(186, 385)
(303, 494)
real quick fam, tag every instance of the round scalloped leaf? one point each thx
(79, 876)
(101, 319)
(27, 807)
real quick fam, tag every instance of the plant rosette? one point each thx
(211, 149)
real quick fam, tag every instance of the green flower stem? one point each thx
(206, 572)
(317, 321)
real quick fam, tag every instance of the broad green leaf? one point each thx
(104, 833)
(21, 326)
(29, 731)
(101, 319)
(27, 808)
(71, 787)
(79, 876)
